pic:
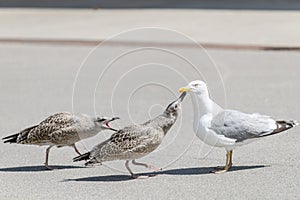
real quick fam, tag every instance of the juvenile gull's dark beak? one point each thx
(181, 97)
(114, 118)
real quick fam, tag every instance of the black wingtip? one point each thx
(10, 141)
(283, 126)
(85, 156)
(11, 138)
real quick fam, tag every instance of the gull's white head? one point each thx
(198, 87)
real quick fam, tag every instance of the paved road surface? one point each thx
(188, 4)
(242, 27)
(37, 80)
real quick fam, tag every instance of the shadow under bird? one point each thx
(61, 129)
(135, 141)
(228, 128)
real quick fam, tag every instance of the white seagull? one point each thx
(61, 129)
(228, 128)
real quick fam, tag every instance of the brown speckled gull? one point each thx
(135, 141)
(61, 129)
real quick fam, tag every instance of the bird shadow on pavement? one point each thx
(205, 170)
(181, 171)
(37, 168)
(109, 178)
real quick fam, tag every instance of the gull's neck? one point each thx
(164, 121)
(202, 104)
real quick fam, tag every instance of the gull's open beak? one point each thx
(110, 120)
(184, 89)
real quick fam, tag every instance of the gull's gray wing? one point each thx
(241, 126)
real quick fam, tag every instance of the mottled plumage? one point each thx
(61, 129)
(135, 141)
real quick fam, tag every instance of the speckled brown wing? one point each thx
(59, 118)
(42, 133)
(65, 136)
(128, 143)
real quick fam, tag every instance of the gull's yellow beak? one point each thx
(184, 89)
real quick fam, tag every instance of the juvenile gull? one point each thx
(228, 128)
(61, 129)
(135, 141)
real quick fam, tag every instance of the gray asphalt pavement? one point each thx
(242, 27)
(39, 80)
(160, 4)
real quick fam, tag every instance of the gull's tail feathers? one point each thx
(11, 138)
(20, 137)
(85, 156)
(282, 126)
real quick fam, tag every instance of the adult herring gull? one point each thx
(228, 128)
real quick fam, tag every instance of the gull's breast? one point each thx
(208, 136)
